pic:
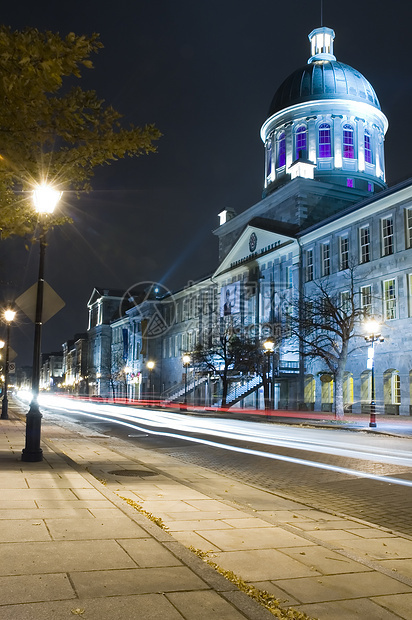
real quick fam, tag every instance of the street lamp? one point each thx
(269, 349)
(45, 199)
(373, 335)
(150, 365)
(8, 317)
(186, 361)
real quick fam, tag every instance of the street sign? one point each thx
(12, 368)
(52, 303)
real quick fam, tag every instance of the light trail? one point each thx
(128, 420)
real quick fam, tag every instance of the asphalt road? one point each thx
(313, 466)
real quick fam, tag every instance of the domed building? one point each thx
(326, 229)
(325, 122)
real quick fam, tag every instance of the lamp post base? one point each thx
(5, 409)
(32, 453)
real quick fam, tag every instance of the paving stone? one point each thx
(101, 502)
(335, 587)
(201, 605)
(168, 506)
(145, 606)
(200, 525)
(325, 561)
(29, 588)
(135, 581)
(253, 538)
(358, 609)
(62, 556)
(402, 567)
(149, 553)
(38, 494)
(337, 538)
(18, 530)
(45, 483)
(246, 522)
(262, 565)
(189, 516)
(381, 549)
(400, 604)
(268, 586)
(341, 524)
(80, 529)
(192, 539)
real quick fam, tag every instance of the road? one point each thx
(359, 474)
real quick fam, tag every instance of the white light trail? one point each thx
(153, 418)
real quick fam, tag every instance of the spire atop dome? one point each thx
(321, 41)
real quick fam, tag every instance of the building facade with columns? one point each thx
(326, 211)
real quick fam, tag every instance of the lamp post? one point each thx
(45, 199)
(269, 348)
(372, 328)
(186, 361)
(150, 365)
(8, 317)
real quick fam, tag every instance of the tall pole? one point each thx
(372, 420)
(185, 384)
(5, 402)
(32, 451)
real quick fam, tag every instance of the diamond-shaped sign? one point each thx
(52, 303)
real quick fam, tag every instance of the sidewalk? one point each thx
(70, 545)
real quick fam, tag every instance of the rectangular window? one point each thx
(288, 277)
(366, 300)
(345, 302)
(409, 294)
(365, 244)
(387, 236)
(389, 299)
(349, 182)
(325, 259)
(309, 265)
(408, 227)
(344, 252)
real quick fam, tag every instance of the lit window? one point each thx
(389, 299)
(300, 151)
(368, 148)
(349, 182)
(309, 265)
(348, 143)
(387, 236)
(408, 227)
(365, 245)
(366, 300)
(281, 150)
(344, 252)
(325, 258)
(288, 277)
(325, 149)
(370, 187)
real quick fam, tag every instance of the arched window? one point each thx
(300, 142)
(348, 142)
(325, 142)
(368, 148)
(281, 150)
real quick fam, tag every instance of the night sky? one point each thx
(205, 74)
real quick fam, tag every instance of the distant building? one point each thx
(51, 372)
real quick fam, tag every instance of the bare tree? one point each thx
(325, 323)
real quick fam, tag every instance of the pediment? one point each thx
(252, 243)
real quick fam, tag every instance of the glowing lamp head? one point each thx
(9, 315)
(45, 198)
(150, 365)
(269, 346)
(127, 370)
(372, 327)
(186, 360)
(2, 343)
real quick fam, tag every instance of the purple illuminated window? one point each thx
(269, 158)
(325, 149)
(368, 149)
(349, 182)
(348, 148)
(300, 142)
(281, 150)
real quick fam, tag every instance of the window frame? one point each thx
(301, 135)
(389, 300)
(348, 141)
(367, 143)
(281, 150)
(309, 266)
(364, 248)
(408, 227)
(325, 258)
(343, 253)
(324, 131)
(387, 240)
(366, 299)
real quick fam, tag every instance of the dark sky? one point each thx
(205, 74)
